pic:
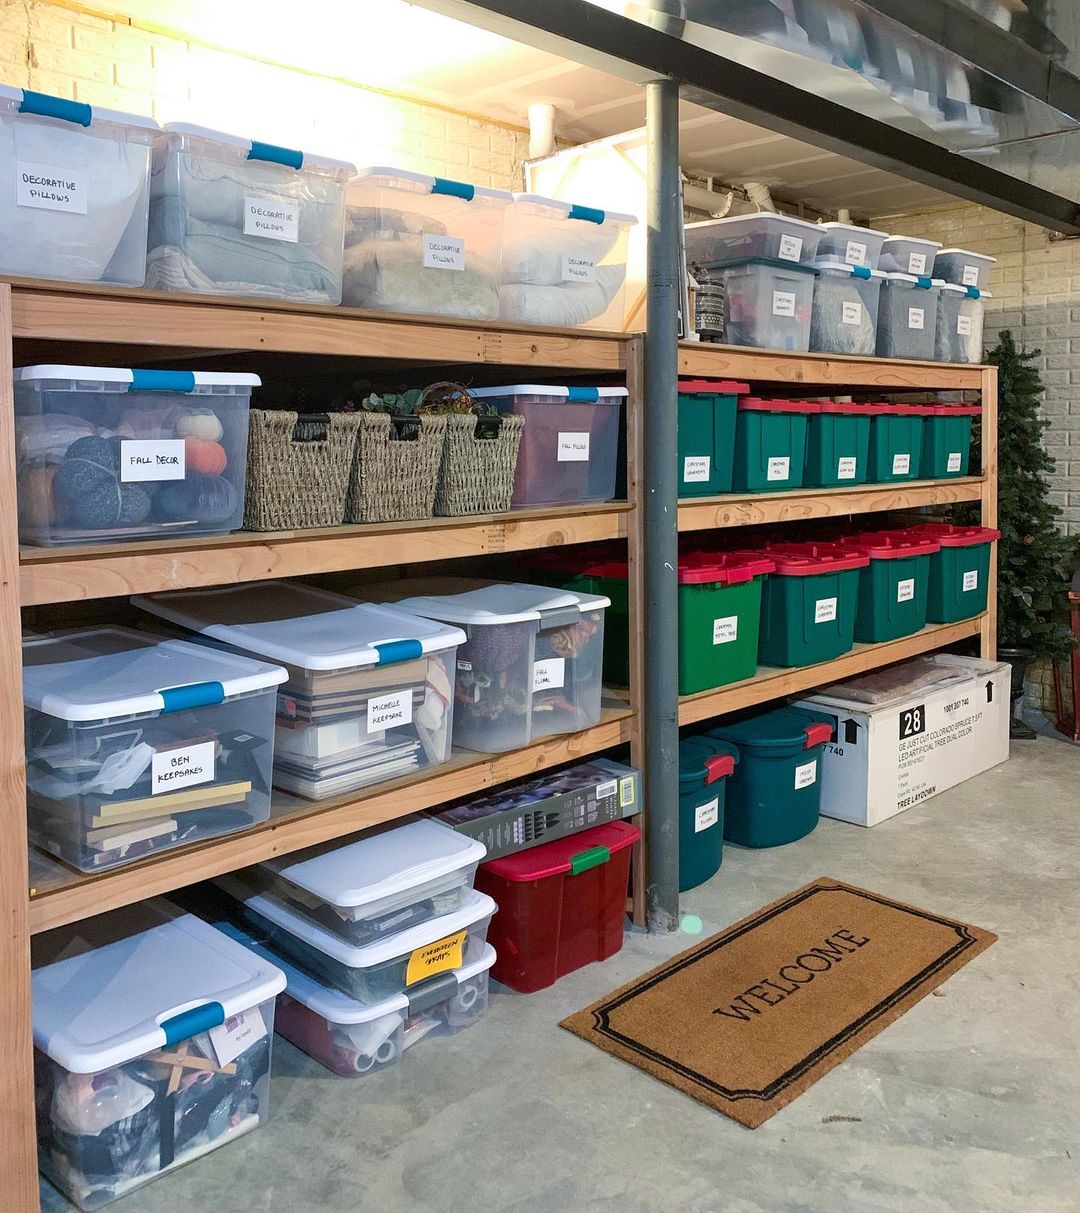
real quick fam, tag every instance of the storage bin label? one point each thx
(825, 610)
(171, 770)
(389, 711)
(696, 469)
(971, 275)
(549, 674)
(851, 313)
(783, 303)
(237, 1034)
(271, 218)
(438, 957)
(578, 269)
(805, 775)
(905, 590)
(790, 248)
(916, 263)
(901, 464)
(151, 459)
(443, 252)
(706, 815)
(954, 462)
(963, 326)
(971, 580)
(846, 468)
(573, 448)
(855, 253)
(916, 318)
(725, 630)
(50, 188)
(778, 467)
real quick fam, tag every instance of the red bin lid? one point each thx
(756, 404)
(892, 545)
(717, 387)
(955, 410)
(911, 410)
(849, 407)
(576, 853)
(722, 568)
(949, 536)
(809, 559)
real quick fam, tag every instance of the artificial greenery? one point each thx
(443, 397)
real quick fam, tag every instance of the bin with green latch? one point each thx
(770, 444)
(960, 572)
(705, 764)
(946, 450)
(706, 435)
(837, 445)
(896, 438)
(809, 602)
(893, 587)
(774, 794)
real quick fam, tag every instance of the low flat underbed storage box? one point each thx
(232, 216)
(909, 255)
(370, 694)
(837, 445)
(767, 235)
(896, 441)
(907, 317)
(704, 766)
(153, 1035)
(845, 315)
(424, 245)
(75, 187)
(894, 585)
(707, 409)
(105, 454)
(136, 745)
(946, 448)
(562, 905)
(770, 444)
(964, 268)
(768, 304)
(959, 572)
(569, 443)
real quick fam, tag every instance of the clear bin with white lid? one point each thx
(961, 312)
(564, 265)
(569, 444)
(136, 745)
(374, 971)
(909, 255)
(532, 663)
(105, 454)
(964, 268)
(230, 215)
(370, 693)
(848, 244)
(907, 317)
(769, 304)
(766, 235)
(424, 245)
(378, 885)
(845, 315)
(74, 189)
(153, 1034)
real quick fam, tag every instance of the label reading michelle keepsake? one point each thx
(696, 469)
(573, 448)
(725, 630)
(389, 711)
(825, 610)
(49, 188)
(171, 770)
(550, 674)
(578, 269)
(443, 252)
(151, 459)
(271, 218)
(783, 303)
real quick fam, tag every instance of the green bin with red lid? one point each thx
(770, 444)
(705, 764)
(946, 450)
(837, 444)
(959, 572)
(809, 603)
(706, 434)
(896, 441)
(774, 793)
(893, 586)
(562, 904)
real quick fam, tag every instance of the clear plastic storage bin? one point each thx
(532, 663)
(569, 444)
(767, 235)
(564, 265)
(108, 453)
(232, 216)
(961, 312)
(153, 1035)
(845, 315)
(847, 244)
(907, 317)
(768, 304)
(370, 694)
(909, 255)
(964, 268)
(135, 745)
(75, 183)
(424, 245)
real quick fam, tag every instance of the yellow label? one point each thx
(626, 791)
(437, 957)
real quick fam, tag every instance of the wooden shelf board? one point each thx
(769, 683)
(60, 895)
(50, 575)
(749, 509)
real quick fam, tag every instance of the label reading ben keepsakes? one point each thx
(443, 252)
(151, 459)
(171, 770)
(271, 218)
(49, 188)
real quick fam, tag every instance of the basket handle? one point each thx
(487, 427)
(406, 429)
(311, 419)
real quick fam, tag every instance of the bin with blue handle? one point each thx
(705, 765)
(959, 572)
(946, 448)
(896, 441)
(893, 586)
(774, 793)
(770, 444)
(707, 411)
(837, 445)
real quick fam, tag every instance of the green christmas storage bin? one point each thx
(704, 767)
(896, 438)
(837, 445)
(959, 572)
(770, 444)
(946, 450)
(706, 436)
(893, 587)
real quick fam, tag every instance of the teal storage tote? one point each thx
(704, 767)
(894, 585)
(837, 445)
(946, 449)
(959, 573)
(809, 602)
(896, 438)
(770, 444)
(774, 794)
(707, 409)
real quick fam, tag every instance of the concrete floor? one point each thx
(969, 1103)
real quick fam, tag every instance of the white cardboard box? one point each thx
(884, 758)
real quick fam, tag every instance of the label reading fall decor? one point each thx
(151, 459)
(271, 218)
(49, 188)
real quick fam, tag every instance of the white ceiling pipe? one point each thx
(541, 130)
(759, 195)
(843, 215)
(710, 202)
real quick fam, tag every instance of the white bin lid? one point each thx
(766, 217)
(963, 252)
(950, 286)
(101, 673)
(10, 92)
(562, 210)
(245, 144)
(848, 271)
(303, 626)
(394, 176)
(535, 389)
(836, 226)
(379, 866)
(119, 374)
(141, 979)
(506, 602)
(913, 240)
(912, 280)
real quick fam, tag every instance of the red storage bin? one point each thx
(562, 905)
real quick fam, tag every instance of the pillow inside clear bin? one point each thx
(534, 252)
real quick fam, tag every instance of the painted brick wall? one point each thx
(74, 53)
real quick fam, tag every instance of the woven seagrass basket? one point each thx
(479, 458)
(396, 468)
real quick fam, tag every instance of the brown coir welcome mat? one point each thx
(748, 1019)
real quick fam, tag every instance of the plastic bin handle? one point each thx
(594, 857)
(432, 992)
(456, 189)
(925, 283)
(192, 1021)
(973, 292)
(276, 155)
(590, 214)
(162, 381)
(194, 695)
(718, 766)
(817, 734)
(48, 106)
(583, 395)
(398, 650)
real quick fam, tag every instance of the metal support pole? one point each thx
(659, 501)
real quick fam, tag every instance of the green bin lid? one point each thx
(780, 728)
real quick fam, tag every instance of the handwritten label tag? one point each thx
(573, 448)
(855, 253)
(389, 711)
(851, 313)
(905, 590)
(696, 469)
(806, 775)
(901, 464)
(963, 326)
(970, 275)
(706, 815)
(437, 957)
(237, 1034)
(916, 263)
(846, 468)
(790, 248)
(916, 318)
(778, 467)
(50, 188)
(151, 459)
(825, 610)
(549, 674)
(971, 580)
(578, 269)
(783, 303)
(171, 770)
(271, 218)
(443, 252)
(725, 630)
(954, 463)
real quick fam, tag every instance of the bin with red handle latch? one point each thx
(705, 765)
